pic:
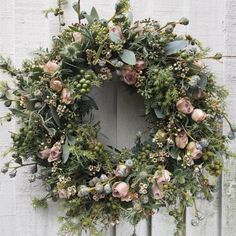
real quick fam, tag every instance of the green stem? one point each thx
(78, 10)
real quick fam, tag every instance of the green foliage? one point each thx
(39, 203)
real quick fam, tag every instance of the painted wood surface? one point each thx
(23, 29)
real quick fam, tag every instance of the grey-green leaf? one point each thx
(159, 113)
(175, 46)
(128, 57)
(55, 116)
(94, 13)
(115, 36)
(65, 151)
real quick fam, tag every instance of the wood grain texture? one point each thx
(23, 29)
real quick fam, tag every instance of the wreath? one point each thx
(58, 137)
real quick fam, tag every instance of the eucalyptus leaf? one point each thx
(115, 36)
(94, 13)
(175, 46)
(159, 113)
(128, 57)
(55, 115)
(88, 18)
(174, 152)
(65, 151)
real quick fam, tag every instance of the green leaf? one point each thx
(115, 36)
(175, 46)
(174, 152)
(18, 113)
(128, 57)
(202, 83)
(65, 151)
(71, 140)
(159, 113)
(88, 18)
(55, 116)
(94, 13)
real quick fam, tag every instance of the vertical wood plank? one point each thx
(229, 176)
(205, 16)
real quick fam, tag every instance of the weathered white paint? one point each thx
(23, 29)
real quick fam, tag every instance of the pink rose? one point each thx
(55, 153)
(66, 96)
(44, 154)
(193, 151)
(163, 178)
(198, 115)
(63, 193)
(120, 189)
(184, 106)
(181, 140)
(78, 37)
(157, 193)
(56, 84)
(129, 75)
(50, 67)
(122, 171)
(140, 65)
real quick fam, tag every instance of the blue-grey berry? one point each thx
(99, 188)
(129, 163)
(107, 188)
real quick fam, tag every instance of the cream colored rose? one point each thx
(184, 106)
(56, 85)
(51, 67)
(198, 115)
(181, 140)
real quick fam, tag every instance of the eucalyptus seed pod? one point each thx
(12, 174)
(4, 170)
(32, 178)
(184, 21)
(99, 188)
(103, 177)
(7, 103)
(129, 163)
(169, 29)
(107, 188)
(38, 105)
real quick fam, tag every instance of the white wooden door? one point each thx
(23, 29)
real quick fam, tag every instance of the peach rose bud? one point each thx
(55, 153)
(163, 178)
(157, 193)
(78, 37)
(193, 151)
(198, 115)
(181, 140)
(120, 189)
(129, 75)
(56, 85)
(140, 65)
(50, 67)
(63, 193)
(44, 154)
(66, 96)
(184, 106)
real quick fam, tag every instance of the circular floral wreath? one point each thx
(96, 183)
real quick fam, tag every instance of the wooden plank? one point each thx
(229, 177)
